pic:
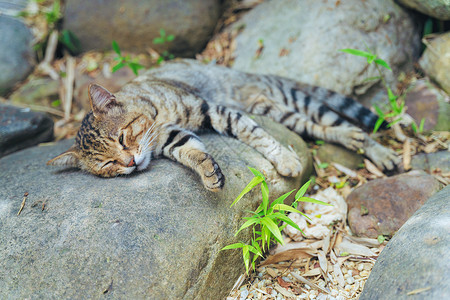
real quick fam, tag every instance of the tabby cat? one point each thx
(157, 114)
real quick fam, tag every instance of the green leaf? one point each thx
(233, 246)
(158, 40)
(422, 123)
(311, 200)
(170, 37)
(247, 224)
(382, 63)
(414, 126)
(289, 221)
(254, 182)
(378, 124)
(281, 198)
(302, 190)
(257, 248)
(162, 32)
(319, 142)
(116, 48)
(392, 97)
(118, 66)
(256, 173)
(265, 196)
(273, 228)
(56, 103)
(359, 53)
(323, 165)
(284, 207)
(246, 256)
(381, 239)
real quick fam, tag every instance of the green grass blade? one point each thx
(382, 63)
(358, 53)
(118, 66)
(254, 182)
(273, 228)
(281, 198)
(290, 222)
(256, 173)
(302, 190)
(265, 196)
(378, 124)
(247, 224)
(233, 246)
(311, 200)
(284, 207)
(116, 48)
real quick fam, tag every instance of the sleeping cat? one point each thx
(158, 113)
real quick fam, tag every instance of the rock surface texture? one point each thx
(417, 258)
(425, 101)
(305, 43)
(137, 23)
(435, 61)
(154, 235)
(16, 52)
(380, 207)
(21, 128)
(439, 9)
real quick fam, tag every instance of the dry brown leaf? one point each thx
(272, 272)
(286, 256)
(417, 291)
(283, 283)
(323, 261)
(372, 243)
(356, 249)
(313, 272)
(407, 154)
(308, 282)
(284, 291)
(345, 170)
(337, 272)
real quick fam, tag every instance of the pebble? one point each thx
(360, 267)
(350, 272)
(364, 273)
(244, 294)
(350, 280)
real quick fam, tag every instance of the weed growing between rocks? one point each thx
(396, 103)
(267, 220)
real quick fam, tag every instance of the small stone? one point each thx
(364, 273)
(350, 280)
(360, 267)
(389, 202)
(244, 294)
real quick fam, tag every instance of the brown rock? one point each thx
(380, 207)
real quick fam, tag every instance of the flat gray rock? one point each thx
(21, 128)
(417, 258)
(155, 234)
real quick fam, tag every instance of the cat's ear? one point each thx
(101, 100)
(68, 159)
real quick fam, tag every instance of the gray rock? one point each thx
(382, 206)
(16, 52)
(425, 101)
(311, 33)
(439, 9)
(154, 235)
(21, 128)
(431, 161)
(417, 257)
(338, 154)
(435, 61)
(134, 24)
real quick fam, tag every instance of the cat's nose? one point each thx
(132, 162)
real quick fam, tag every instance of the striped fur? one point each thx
(159, 112)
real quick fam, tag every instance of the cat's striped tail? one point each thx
(348, 108)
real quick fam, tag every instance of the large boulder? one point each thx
(135, 23)
(153, 235)
(301, 40)
(415, 264)
(439, 9)
(21, 128)
(16, 52)
(435, 60)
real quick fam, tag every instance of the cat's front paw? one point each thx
(211, 174)
(287, 163)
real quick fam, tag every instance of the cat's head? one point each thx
(113, 139)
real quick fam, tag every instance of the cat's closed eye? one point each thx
(109, 163)
(121, 140)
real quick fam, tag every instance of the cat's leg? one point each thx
(233, 123)
(185, 147)
(326, 125)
